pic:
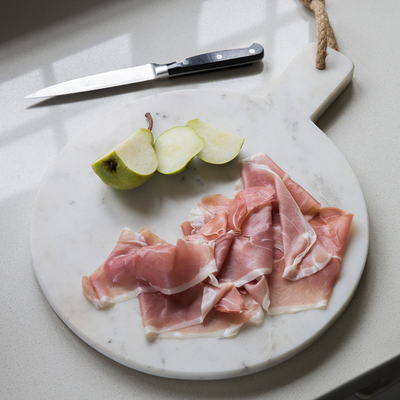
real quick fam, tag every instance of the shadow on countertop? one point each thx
(19, 17)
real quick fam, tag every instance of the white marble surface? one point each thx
(76, 219)
(44, 42)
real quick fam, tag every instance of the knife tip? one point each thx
(35, 95)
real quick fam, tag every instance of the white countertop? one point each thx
(44, 42)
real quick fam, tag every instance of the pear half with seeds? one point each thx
(175, 148)
(220, 146)
(130, 163)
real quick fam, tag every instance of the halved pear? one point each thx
(220, 146)
(175, 148)
(130, 163)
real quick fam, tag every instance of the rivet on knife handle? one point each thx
(217, 59)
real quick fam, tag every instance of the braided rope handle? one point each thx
(325, 35)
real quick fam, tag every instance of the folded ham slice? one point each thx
(215, 215)
(307, 204)
(248, 215)
(165, 313)
(298, 235)
(332, 226)
(202, 311)
(259, 291)
(222, 325)
(134, 267)
(231, 302)
(251, 253)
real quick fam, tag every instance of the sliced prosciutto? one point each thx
(259, 291)
(223, 325)
(307, 204)
(248, 216)
(298, 235)
(216, 215)
(332, 226)
(134, 267)
(269, 248)
(149, 237)
(231, 302)
(128, 243)
(251, 253)
(216, 211)
(202, 311)
(165, 313)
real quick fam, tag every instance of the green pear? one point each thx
(175, 148)
(220, 146)
(130, 163)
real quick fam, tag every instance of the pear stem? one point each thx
(150, 119)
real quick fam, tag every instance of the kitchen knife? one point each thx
(148, 72)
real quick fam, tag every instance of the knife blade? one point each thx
(152, 71)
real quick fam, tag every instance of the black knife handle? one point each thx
(217, 59)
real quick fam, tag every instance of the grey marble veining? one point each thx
(77, 219)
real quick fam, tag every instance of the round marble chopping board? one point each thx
(77, 220)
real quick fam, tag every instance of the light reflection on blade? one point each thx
(104, 80)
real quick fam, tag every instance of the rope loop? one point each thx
(325, 34)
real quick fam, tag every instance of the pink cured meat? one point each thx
(298, 235)
(307, 204)
(271, 247)
(221, 248)
(134, 267)
(216, 215)
(186, 228)
(235, 210)
(231, 302)
(229, 212)
(215, 228)
(128, 243)
(332, 227)
(151, 238)
(216, 231)
(251, 253)
(249, 216)
(222, 245)
(223, 325)
(207, 312)
(166, 315)
(259, 291)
